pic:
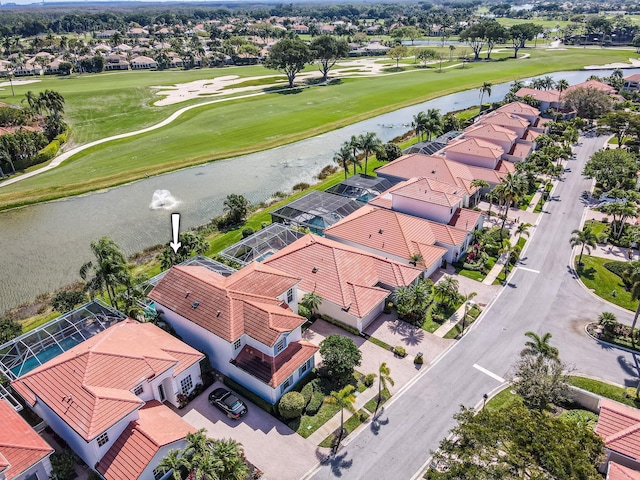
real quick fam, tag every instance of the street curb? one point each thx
(613, 345)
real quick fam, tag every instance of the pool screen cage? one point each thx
(316, 211)
(34, 348)
(432, 146)
(361, 187)
(262, 244)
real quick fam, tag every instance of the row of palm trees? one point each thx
(204, 458)
(349, 152)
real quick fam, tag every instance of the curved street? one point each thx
(542, 295)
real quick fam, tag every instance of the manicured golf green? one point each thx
(246, 125)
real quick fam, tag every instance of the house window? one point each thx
(159, 472)
(287, 383)
(103, 438)
(302, 369)
(290, 295)
(186, 384)
(237, 344)
(280, 346)
(138, 390)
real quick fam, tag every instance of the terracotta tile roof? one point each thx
(476, 147)
(531, 135)
(521, 150)
(491, 132)
(396, 233)
(89, 386)
(520, 108)
(429, 190)
(615, 471)
(550, 96)
(465, 219)
(430, 166)
(503, 119)
(595, 84)
(244, 302)
(342, 274)
(633, 78)
(619, 427)
(20, 445)
(274, 370)
(141, 440)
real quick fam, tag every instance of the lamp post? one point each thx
(484, 400)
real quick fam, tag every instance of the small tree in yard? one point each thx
(398, 53)
(236, 207)
(291, 405)
(311, 301)
(340, 356)
(608, 321)
(67, 300)
(9, 330)
(344, 399)
(384, 377)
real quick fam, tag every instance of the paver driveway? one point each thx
(269, 444)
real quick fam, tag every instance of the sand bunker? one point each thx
(17, 83)
(633, 63)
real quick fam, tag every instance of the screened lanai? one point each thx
(361, 187)
(34, 348)
(432, 146)
(316, 211)
(262, 244)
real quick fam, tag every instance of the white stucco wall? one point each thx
(196, 377)
(467, 159)
(419, 208)
(42, 469)
(147, 473)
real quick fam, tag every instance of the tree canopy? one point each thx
(588, 102)
(289, 56)
(340, 356)
(613, 169)
(326, 50)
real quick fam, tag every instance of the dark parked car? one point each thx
(228, 403)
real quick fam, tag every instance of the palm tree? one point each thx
(562, 85)
(311, 301)
(415, 258)
(369, 142)
(447, 288)
(608, 321)
(230, 459)
(384, 378)
(433, 124)
(548, 82)
(587, 240)
(510, 188)
(523, 229)
(354, 143)
(493, 197)
(539, 346)
(173, 462)
(109, 271)
(485, 88)
(479, 184)
(466, 300)
(419, 124)
(511, 253)
(236, 207)
(343, 157)
(632, 277)
(451, 49)
(516, 85)
(344, 399)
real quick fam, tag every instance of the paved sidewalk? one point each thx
(534, 201)
(450, 323)
(334, 423)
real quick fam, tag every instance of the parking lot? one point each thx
(269, 444)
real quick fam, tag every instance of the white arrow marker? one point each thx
(175, 227)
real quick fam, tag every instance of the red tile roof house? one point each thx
(247, 323)
(103, 397)
(619, 472)
(443, 170)
(354, 284)
(632, 83)
(507, 120)
(474, 151)
(432, 200)
(619, 427)
(24, 455)
(548, 98)
(398, 236)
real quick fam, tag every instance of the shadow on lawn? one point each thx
(338, 463)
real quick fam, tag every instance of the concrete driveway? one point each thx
(270, 445)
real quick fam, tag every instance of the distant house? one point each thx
(142, 63)
(619, 427)
(246, 322)
(548, 98)
(354, 284)
(632, 83)
(93, 394)
(115, 61)
(300, 29)
(106, 34)
(24, 455)
(399, 236)
(137, 32)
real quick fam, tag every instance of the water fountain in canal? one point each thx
(162, 199)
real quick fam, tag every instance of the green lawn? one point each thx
(105, 104)
(371, 404)
(507, 22)
(598, 228)
(349, 425)
(603, 282)
(501, 400)
(476, 274)
(606, 390)
(472, 315)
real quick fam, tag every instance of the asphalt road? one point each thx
(542, 296)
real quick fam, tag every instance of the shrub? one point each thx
(418, 359)
(369, 379)
(291, 405)
(315, 403)
(307, 393)
(387, 307)
(48, 152)
(62, 138)
(300, 186)
(246, 232)
(63, 465)
(616, 267)
(400, 351)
